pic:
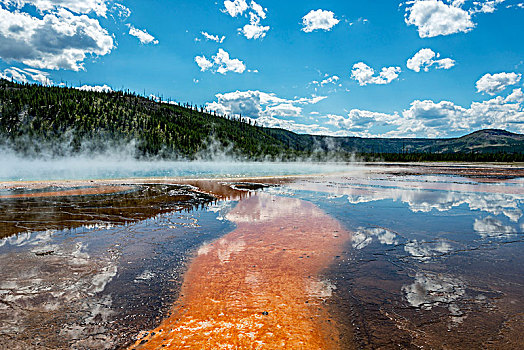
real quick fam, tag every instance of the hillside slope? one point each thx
(37, 120)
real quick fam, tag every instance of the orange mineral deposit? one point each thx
(260, 286)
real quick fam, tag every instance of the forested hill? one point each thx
(59, 121)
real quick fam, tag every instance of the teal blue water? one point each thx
(84, 168)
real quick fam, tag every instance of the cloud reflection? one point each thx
(424, 251)
(431, 290)
(491, 227)
(364, 236)
(426, 201)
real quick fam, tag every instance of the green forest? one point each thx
(61, 121)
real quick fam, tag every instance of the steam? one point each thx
(113, 165)
(27, 159)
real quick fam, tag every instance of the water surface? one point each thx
(377, 258)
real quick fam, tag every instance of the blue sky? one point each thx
(425, 68)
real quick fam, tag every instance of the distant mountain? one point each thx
(36, 120)
(482, 141)
(485, 141)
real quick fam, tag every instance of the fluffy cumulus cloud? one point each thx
(266, 109)
(59, 39)
(27, 75)
(434, 18)
(220, 63)
(319, 20)
(426, 118)
(254, 29)
(360, 122)
(203, 63)
(426, 58)
(495, 83)
(235, 7)
(142, 35)
(99, 7)
(96, 88)
(212, 37)
(365, 75)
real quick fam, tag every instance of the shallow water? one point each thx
(83, 169)
(372, 259)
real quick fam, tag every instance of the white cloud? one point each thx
(121, 11)
(259, 10)
(59, 40)
(520, 6)
(96, 88)
(439, 119)
(495, 83)
(220, 63)
(425, 58)
(142, 35)
(266, 109)
(235, 7)
(26, 75)
(330, 80)
(359, 20)
(212, 37)
(426, 118)
(434, 18)
(364, 74)
(359, 122)
(319, 19)
(255, 104)
(488, 6)
(326, 80)
(273, 122)
(254, 30)
(98, 7)
(516, 96)
(226, 64)
(203, 63)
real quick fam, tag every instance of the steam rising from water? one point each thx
(103, 158)
(16, 168)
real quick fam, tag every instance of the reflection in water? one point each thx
(432, 262)
(425, 196)
(60, 280)
(257, 287)
(265, 210)
(491, 227)
(426, 201)
(93, 210)
(430, 290)
(107, 274)
(424, 251)
(364, 236)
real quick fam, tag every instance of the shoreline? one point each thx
(369, 167)
(468, 170)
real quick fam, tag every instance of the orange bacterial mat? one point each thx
(258, 287)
